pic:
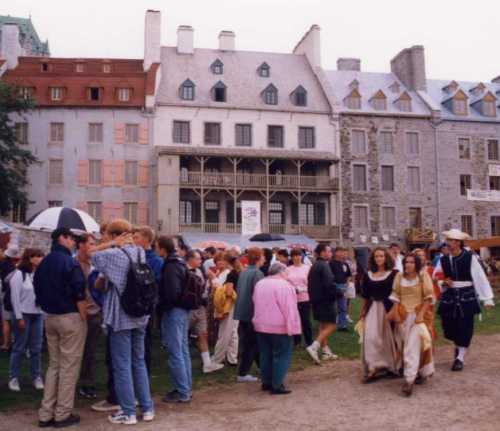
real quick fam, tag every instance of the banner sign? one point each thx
(494, 170)
(483, 195)
(250, 217)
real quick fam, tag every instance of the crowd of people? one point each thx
(252, 307)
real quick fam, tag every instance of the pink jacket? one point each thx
(275, 307)
(297, 276)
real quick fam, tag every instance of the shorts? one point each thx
(198, 321)
(325, 312)
(351, 291)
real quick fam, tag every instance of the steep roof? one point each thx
(28, 37)
(244, 85)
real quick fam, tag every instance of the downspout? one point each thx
(435, 126)
(335, 121)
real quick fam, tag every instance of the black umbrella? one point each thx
(56, 217)
(266, 237)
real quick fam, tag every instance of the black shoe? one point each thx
(420, 380)
(175, 397)
(343, 329)
(46, 424)
(266, 387)
(458, 365)
(281, 391)
(70, 420)
(87, 393)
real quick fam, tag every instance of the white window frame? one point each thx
(128, 128)
(123, 94)
(56, 94)
(366, 178)
(367, 217)
(363, 131)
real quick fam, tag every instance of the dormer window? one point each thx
(219, 92)
(94, 94)
(354, 84)
(270, 95)
(26, 92)
(379, 101)
(264, 70)
(79, 67)
(459, 103)
(451, 87)
(217, 67)
(44, 67)
(394, 87)
(299, 96)
(186, 91)
(478, 89)
(56, 94)
(403, 103)
(489, 109)
(353, 100)
(123, 94)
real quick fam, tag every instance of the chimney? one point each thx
(409, 67)
(10, 48)
(310, 46)
(353, 64)
(152, 38)
(227, 40)
(185, 39)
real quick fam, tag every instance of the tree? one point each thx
(14, 159)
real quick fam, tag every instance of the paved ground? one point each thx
(331, 398)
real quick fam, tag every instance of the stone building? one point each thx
(23, 29)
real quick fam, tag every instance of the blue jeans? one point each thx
(342, 307)
(174, 338)
(275, 355)
(129, 369)
(31, 337)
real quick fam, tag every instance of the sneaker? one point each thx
(349, 320)
(313, 353)
(148, 416)
(14, 385)
(38, 384)
(328, 355)
(175, 397)
(247, 379)
(121, 418)
(210, 368)
(104, 406)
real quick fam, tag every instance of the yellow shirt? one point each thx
(412, 293)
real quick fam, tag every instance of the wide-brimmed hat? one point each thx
(13, 252)
(456, 234)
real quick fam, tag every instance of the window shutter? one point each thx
(119, 174)
(143, 173)
(107, 177)
(83, 172)
(143, 134)
(119, 133)
(142, 213)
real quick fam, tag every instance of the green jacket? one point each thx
(243, 309)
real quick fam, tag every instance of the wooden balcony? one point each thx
(420, 235)
(259, 181)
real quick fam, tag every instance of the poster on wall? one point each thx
(250, 217)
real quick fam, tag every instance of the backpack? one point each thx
(141, 292)
(192, 294)
(7, 301)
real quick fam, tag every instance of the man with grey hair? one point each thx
(276, 320)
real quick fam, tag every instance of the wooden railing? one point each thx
(258, 181)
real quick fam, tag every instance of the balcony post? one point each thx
(202, 194)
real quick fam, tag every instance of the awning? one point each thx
(243, 241)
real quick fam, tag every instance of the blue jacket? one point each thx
(155, 262)
(59, 282)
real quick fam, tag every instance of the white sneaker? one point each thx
(313, 353)
(14, 385)
(121, 418)
(210, 368)
(148, 416)
(327, 354)
(246, 379)
(348, 318)
(38, 384)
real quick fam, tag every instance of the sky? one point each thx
(461, 39)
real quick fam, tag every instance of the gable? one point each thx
(379, 95)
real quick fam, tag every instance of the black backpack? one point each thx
(141, 292)
(7, 301)
(192, 293)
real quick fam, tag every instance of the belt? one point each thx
(461, 284)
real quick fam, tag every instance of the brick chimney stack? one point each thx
(185, 39)
(409, 67)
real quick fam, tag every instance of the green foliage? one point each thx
(14, 160)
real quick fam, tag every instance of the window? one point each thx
(21, 130)
(52, 204)
(306, 137)
(412, 144)
(217, 67)
(492, 149)
(95, 172)
(271, 95)
(386, 142)
(264, 70)
(44, 67)
(389, 217)
(55, 172)
(130, 212)
(312, 214)
(489, 109)
(106, 68)
(465, 184)
(387, 173)
(464, 148)
(459, 107)
(415, 218)
(25, 92)
(360, 217)
(123, 94)
(276, 213)
(56, 93)
(219, 92)
(494, 183)
(275, 136)
(243, 135)
(212, 135)
(495, 225)
(299, 96)
(379, 104)
(131, 133)
(359, 178)
(95, 210)
(18, 212)
(467, 224)
(79, 67)
(182, 132)
(414, 179)
(95, 133)
(131, 173)
(186, 92)
(358, 141)
(404, 105)
(353, 102)
(56, 133)
(186, 212)
(94, 93)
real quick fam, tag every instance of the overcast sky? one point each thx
(462, 40)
